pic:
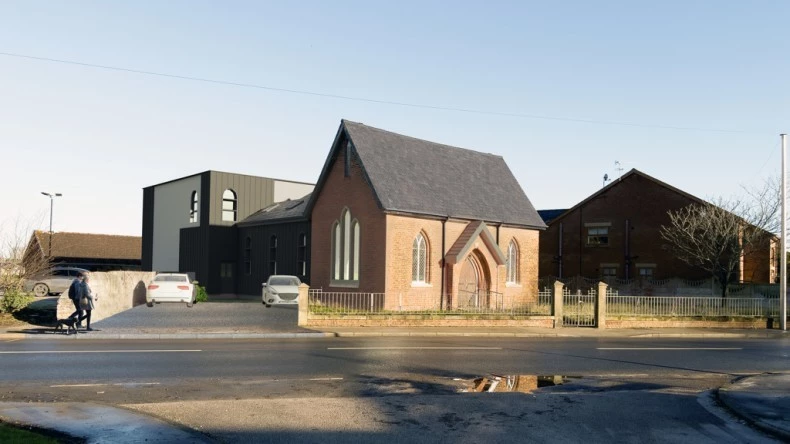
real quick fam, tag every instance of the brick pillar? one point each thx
(558, 286)
(303, 302)
(600, 306)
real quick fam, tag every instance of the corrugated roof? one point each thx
(89, 245)
(421, 177)
(287, 209)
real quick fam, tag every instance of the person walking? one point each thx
(87, 300)
(75, 294)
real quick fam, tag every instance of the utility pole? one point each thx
(783, 261)
(51, 207)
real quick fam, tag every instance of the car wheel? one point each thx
(149, 304)
(189, 304)
(40, 290)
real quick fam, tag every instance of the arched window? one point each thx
(419, 259)
(345, 248)
(273, 255)
(301, 255)
(193, 208)
(229, 206)
(512, 263)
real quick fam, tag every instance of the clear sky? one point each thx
(99, 136)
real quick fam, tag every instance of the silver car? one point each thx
(56, 281)
(281, 289)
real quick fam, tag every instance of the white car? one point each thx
(281, 289)
(170, 287)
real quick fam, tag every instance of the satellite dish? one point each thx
(605, 177)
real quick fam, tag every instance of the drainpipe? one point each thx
(441, 296)
(581, 237)
(559, 256)
(497, 235)
(627, 248)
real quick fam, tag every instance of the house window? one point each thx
(609, 272)
(248, 256)
(273, 255)
(346, 248)
(598, 236)
(301, 255)
(226, 270)
(193, 209)
(512, 263)
(229, 206)
(646, 272)
(419, 260)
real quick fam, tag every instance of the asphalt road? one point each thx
(403, 389)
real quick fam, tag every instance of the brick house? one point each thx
(428, 222)
(615, 233)
(95, 252)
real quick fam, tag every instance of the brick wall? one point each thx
(354, 193)
(527, 242)
(636, 198)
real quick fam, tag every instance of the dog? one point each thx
(69, 323)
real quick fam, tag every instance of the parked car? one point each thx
(281, 289)
(170, 287)
(55, 281)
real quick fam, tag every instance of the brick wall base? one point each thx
(426, 321)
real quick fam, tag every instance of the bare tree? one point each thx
(15, 266)
(716, 236)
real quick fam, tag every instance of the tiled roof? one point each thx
(285, 210)
(420, 177)
(88, 245)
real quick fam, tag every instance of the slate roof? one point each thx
(550, 215)
(286, 210)
(90, 246)
(420, 177)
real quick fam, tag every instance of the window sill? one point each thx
(344, 284)
(421, 285)
(512, 285)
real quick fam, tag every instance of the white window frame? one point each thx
(346, 243)
(419, 259)
(512, 263)
(193, 207)
(229, 214)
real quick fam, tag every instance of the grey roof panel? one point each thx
(421, 177)
(287, 209)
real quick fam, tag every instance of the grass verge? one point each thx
(30, 435)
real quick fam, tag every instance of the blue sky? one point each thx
(100, 136)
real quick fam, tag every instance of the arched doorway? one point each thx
(472, 283)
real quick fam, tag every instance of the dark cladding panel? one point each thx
(148, 229)
(287, 251)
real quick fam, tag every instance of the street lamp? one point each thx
(52, 197)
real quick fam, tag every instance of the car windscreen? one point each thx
(171, 278)
(283, 281)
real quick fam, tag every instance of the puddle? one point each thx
(515, 383)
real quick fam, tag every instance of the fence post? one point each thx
(600, 306)
(558, 286)
(303, 305)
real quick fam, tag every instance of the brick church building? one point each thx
(430, 222)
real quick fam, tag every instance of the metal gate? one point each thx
(578, 309)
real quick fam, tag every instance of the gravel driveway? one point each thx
(204, 317)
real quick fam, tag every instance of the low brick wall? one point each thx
(426, 321)
(635, 322)
(117, 291)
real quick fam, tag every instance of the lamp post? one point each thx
(52, 197)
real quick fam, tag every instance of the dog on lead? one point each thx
(69, 323)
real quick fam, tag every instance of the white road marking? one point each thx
(29, 352)
(103, 385)
(414, 348)
(325, 379)
(13, 340)
(669, 348)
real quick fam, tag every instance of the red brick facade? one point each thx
(386, 243)
(632, 210)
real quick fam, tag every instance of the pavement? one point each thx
(761, 400)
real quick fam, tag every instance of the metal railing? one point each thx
(472, 303)
(676, 306)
